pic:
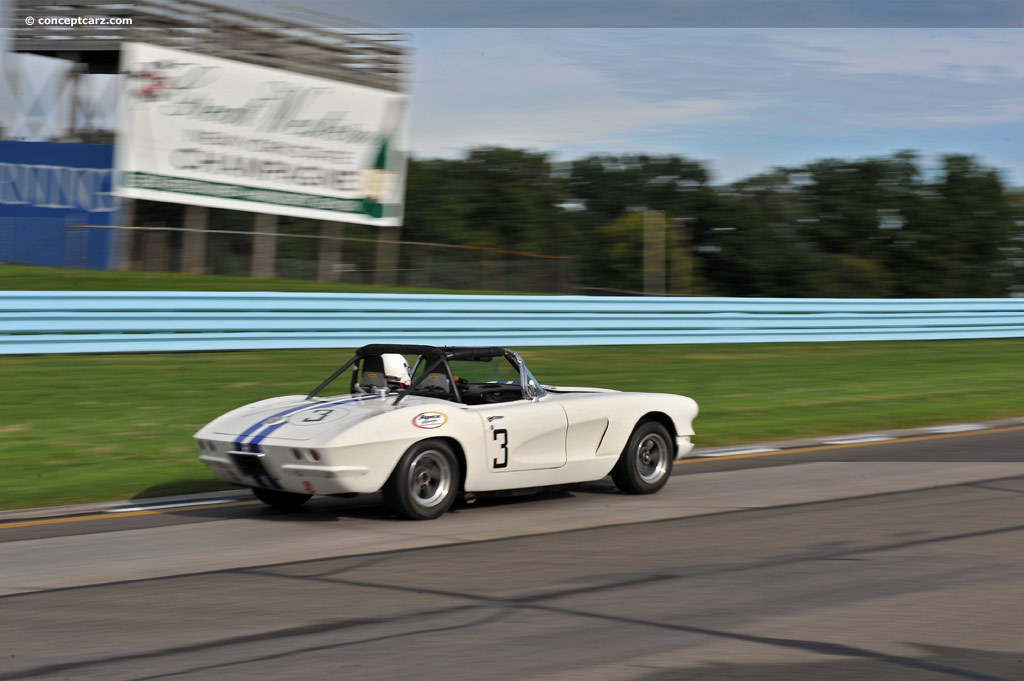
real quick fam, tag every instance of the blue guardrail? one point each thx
(36, 322)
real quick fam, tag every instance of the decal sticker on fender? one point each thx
(429, 419)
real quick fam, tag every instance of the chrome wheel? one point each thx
(652, 458)
(645, 464)
(430, 478)
(425, 481)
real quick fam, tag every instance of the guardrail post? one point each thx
(264, 246)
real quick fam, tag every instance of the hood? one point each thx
(296, 418)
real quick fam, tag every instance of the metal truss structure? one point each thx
(351, 53)
(73, 100)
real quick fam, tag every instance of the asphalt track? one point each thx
(890, 561)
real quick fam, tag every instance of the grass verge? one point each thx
(33, 278)
(96, 427)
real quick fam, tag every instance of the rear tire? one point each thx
(646, 463)
(425, 482)
(282, 501)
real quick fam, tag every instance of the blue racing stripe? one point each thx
(268, 481)
(255, 442)
(256, 426)
(291, 410)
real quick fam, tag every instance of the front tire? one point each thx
(282, 501)
(646, 463)
(425, 482)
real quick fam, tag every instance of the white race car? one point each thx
(462, 420)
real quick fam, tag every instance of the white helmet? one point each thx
(396, 368)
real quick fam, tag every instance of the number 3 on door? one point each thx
(504, 448)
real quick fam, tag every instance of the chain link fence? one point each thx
(341, 259)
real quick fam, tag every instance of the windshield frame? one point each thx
(434, 359)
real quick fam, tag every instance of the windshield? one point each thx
(533, 388)
(497, 369)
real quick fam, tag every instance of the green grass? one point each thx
(96, 427)
(33, 278)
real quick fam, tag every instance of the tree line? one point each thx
(874, 227)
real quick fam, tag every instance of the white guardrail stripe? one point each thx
(36, 322)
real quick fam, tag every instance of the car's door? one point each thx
(524, 435)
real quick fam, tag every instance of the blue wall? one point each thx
(34, 322)
(45, 189)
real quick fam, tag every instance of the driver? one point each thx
(396, 370)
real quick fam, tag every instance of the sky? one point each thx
(743, 85)
(743, 100)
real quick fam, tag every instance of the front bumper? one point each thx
(251, 470)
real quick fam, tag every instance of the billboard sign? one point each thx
(49, 194)
(207, 131)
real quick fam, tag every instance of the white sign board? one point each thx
(206, 131)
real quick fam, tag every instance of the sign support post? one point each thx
(193, 252)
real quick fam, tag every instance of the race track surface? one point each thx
(896, 560)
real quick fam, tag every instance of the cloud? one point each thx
(549, 125)
(518, 92)
(986, 57)
(823, 81)
(743, 100)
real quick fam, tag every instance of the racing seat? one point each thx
(373, 374)
(435, 383)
